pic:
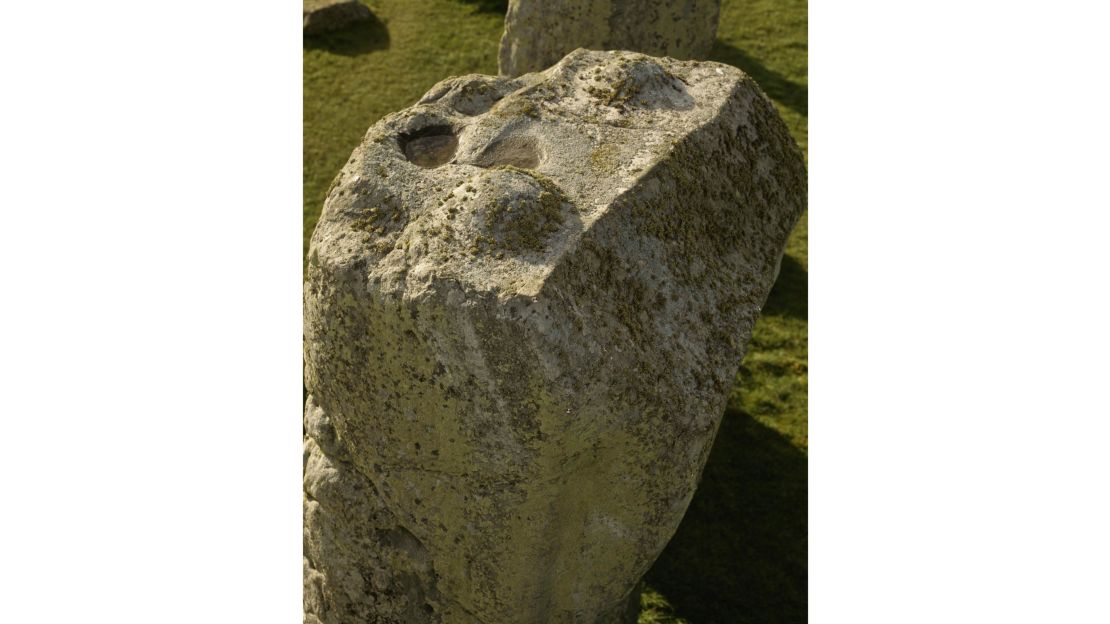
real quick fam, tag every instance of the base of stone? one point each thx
(632, 608)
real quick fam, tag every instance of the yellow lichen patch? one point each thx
(604, 158)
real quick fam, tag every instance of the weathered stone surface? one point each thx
(361, 565)
(526, 301)
(540, 32)
(321, 16)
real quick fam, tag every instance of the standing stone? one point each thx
(321, 16)
(526, 303)
(540, 32)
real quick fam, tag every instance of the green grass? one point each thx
(740, 554)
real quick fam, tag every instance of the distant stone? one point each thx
(321, 16)
(526, 303)
(540, 32)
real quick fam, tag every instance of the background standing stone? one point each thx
(540, 32)
(526, 302)
(321, 16)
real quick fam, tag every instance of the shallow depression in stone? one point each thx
(430, 147)
(516, 151)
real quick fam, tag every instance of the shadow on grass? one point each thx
(740, 553)
(780, 88)
(358, 38)
(489, 6)
(790, 294)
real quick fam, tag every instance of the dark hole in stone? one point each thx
(430, 147)
(517, 151)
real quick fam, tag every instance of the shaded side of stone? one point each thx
(323, 16)
(538, 33)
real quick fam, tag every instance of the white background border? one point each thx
(151, 261)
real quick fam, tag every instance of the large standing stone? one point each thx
(526, 302)
(540, 32)
(321, 16)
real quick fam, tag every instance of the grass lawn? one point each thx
(740, 554)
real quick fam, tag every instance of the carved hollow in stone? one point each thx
(522, 352)
(514, 151)
(430, 147)
(539, 32)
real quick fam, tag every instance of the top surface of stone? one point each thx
(490, 181)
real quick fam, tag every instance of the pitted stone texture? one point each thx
(360, 564)
(539, 32)
(525, 341)
(321, 16)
